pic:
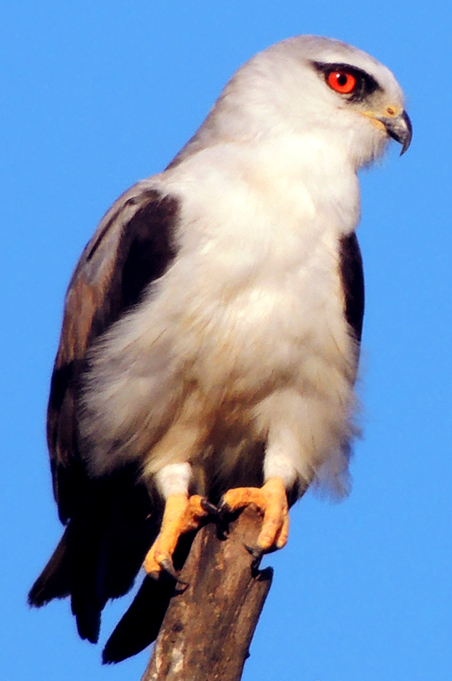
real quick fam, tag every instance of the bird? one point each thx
(211, 332)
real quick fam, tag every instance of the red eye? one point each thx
(341, 81)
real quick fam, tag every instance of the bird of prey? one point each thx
(212, 326)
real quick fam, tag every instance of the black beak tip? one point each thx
(400, 129)
(406, 141)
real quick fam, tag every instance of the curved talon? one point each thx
(154, 574)
(210, 508)
(254, 551)
(167, 565)
(225, 509)
(182, 514)
(271, 499)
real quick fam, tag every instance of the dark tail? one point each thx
(57, 581)
(54, 581)
(140, 625)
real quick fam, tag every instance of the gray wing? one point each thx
(111, 521)
(133, 246)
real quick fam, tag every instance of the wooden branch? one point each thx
(209, 624)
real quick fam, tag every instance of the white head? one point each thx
(310, 84)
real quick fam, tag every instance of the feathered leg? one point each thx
(183, 513)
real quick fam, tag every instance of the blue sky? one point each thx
(96, 95)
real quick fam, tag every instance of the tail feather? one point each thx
(98, 558)
(101, 550)
(88, 617)
(54, 580)
(140, 625)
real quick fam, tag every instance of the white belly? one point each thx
(274, 354)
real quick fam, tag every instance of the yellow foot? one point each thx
(182, 514)
(271, 499)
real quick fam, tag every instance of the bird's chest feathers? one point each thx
(256, 287)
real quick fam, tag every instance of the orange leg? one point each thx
(182, 514)
(271, 499)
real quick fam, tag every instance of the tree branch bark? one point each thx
(210, 622)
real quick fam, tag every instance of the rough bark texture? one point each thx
(209, 624)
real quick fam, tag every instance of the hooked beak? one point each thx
(399, 128)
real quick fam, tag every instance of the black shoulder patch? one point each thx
(145, 251)
(351, 269)
(152, 248)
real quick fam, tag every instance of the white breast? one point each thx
(252, 306)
